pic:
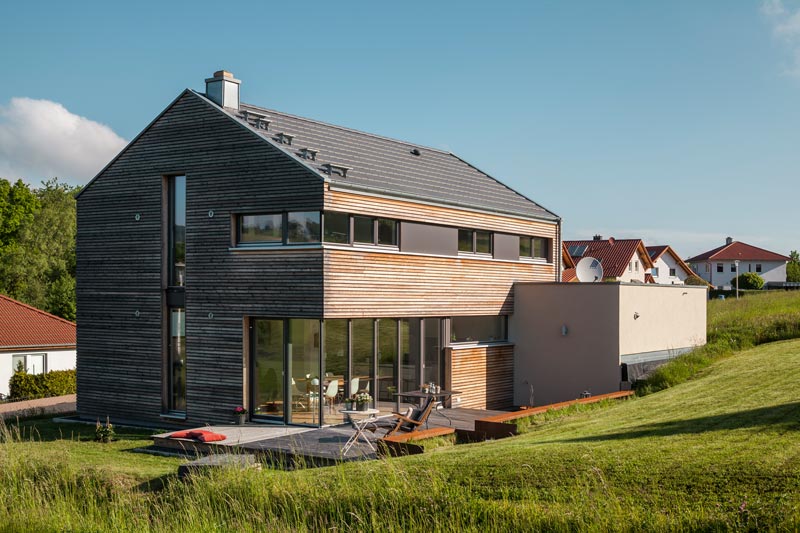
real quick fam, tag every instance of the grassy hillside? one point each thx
(718, 452)
(733, 325)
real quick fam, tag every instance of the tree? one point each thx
(793, 267)
(17, 206)
(38, 268)
(748, 281)
(694, 279)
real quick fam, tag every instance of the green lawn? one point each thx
(718, 452)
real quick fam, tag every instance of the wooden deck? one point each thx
(290, 446)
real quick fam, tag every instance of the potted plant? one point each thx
(363, 399)
(241, 415)
(348, 404)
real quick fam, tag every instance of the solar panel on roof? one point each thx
(577, 250)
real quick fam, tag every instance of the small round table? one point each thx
(359, 420)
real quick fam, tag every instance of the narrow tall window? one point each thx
(177, 231)
(176, 351)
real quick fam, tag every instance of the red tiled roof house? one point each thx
(40, 341)
(668, 267)
(622, 259)
(718, 266)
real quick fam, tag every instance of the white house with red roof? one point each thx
(40, 341)
(668, 267)
(622, 259)
(718, 266)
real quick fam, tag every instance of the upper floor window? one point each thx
(720, 267)
(478, 328)
(630, 266)
(363, 229)
(636, 264)
(387, 232)
(654, 272)
(336, 228)
(261, 229)
(733, 267)
(303, 226)
(672, 272)
(708, 267)
(758, 267)
(176, 207)
(475, 241)
(533, 247)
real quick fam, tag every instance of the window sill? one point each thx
(276, 247)
(478, 344)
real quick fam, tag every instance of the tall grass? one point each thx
(733, 326)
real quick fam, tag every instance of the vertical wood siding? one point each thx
(119, 265)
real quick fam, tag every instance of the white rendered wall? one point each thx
(55, 360)
(664, 263)
(770, 271)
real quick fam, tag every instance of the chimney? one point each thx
(598, 237)
(728, 240)
(223, 89)
(611, 241)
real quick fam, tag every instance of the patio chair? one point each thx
(407, 422)
(331, 391)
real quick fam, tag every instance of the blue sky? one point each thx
(678, 122)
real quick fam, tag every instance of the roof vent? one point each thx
(257, 120)
(284, 138)
(331, 169)
(308, 153)
(223, 89)
(415, 152)
(598, 238)
(729, 240)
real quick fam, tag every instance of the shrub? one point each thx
(749, 280)
(694, 279)
(793, 271)
(55, 383)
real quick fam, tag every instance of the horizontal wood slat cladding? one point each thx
(119, 264)
(449, 216)
(374, 284)
(484, 375)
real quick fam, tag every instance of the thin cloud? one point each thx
(785, 27)
(40, 139)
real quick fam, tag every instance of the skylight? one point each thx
(577, 250)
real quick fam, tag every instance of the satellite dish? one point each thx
(589, 270)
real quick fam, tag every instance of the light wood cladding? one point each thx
(484, 375)
(449, 216)
(373, 284)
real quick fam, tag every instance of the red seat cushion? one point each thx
(208, 436)
(185, 434)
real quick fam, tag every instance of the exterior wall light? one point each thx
(636, 315)
(564, 330)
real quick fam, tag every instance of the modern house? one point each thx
(719, 266)
(236, 255)
(622, 259)
(38, 341)
(668, 267)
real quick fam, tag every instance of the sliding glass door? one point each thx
(267, 369)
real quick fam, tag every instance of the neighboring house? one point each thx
(668, 268)
(39, 341)
(622, 259)
(718, 266)
(568, 273)
(235, 255)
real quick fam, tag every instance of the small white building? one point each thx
(41, 342)
(668, 267)
(719, 266)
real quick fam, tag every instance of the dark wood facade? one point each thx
(230, 170)
(120, 264)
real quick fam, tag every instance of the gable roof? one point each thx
(613, 254)
(738, 250)
(27, 327)
(657, 251)
(381, 165)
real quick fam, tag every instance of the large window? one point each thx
(303, 227)
(261, 229)
(387, 364)
(303, 353)
(336, 375)
(177, 230)
(268, 389)
(478, 328)
(363, 356)
(32, 363)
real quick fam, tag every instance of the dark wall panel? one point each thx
(119, 266)
(506, 246)
(428, 239)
